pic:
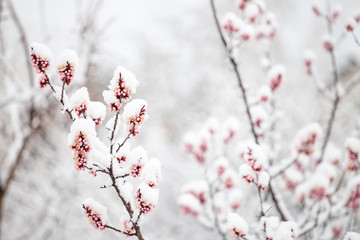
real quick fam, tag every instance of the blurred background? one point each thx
(174, 50)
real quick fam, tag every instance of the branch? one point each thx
(117, 230)
(22, 38)
(236, 70)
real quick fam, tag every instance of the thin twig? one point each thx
(23, 39)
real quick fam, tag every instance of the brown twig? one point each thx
(236, 70)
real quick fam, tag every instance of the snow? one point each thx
(220, 165)
(86, 126)
(42, 51)
(130, 81)
(231, 23)
(237, 225)
(132, 111)
(97, 208)
(256, 157)
(230, 178)
(68, 56)
(81, 96)
(352, 236)
(309, 55)
(272, 224)
(235, 198)
(109, 97)
(151, 173)
(275, 76)
(148, 194)
(350, 24)
(264, 94)
(263, 179)
(247, 173)
(287, 231)
(307, 139)
(212, 124)
(126, 190)
(196, 187)
(353, 144)
(251, 12)
(189, 204)
(96, 110)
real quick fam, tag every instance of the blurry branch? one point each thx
(23, 39)
(278, 205)
(355, 38)
(337, 97)
(236, 70)
(23, 98)
(321, 88)
(352, 84)
(2, 47)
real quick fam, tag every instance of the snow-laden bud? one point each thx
(189, 204)
(231, 23)
(287, 231)
(198, 144)
(235, 199)
(275, 76)
(96, 213)
(43, 81)
(263, 180)
(271, 225)
(252, 12)
(316, 8)
(350, 24)
(316, 187)
(231, 127)
(352, 146)
(328, 43)
(229, 178)
(123, 84)
(220, 165)
(199, 189)
(41, 57)
(352, 236)
(79, 101)
(137, 159)
(292, 178)
(247, 173)
(260, 119)
(327, 169)
(319, 186)
(309, 57)
(264, 94)
(122, 155)
(127, 225)
(336, 11)
(66, 65)
(357, 16)
(151, 173)
(246, 32)
(352, 194)
(110, 99)
(97, 111)
(134, 115)
(271, 25)
(255, 157)
(333, 155)
(240, 4)
(237, 226)
(307, 139)
(146, 197)
(80, 140)
(261, 5)
(212, 124)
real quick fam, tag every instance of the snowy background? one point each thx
(175, 51)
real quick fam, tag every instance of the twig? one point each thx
(23, 40)
(236, 70)
(355, 38)
(122, 144)
(118, 230)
